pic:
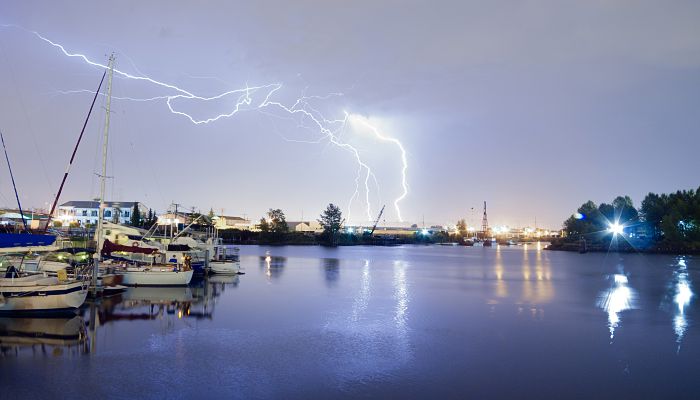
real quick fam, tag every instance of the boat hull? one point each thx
(153, 277)
(224, 267)
(29, 300)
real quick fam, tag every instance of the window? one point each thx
(93, 213)
(84, 213)
(126, 214)
(108, 213)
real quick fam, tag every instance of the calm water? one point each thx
(408, 322)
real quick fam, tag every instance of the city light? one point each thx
(616, 228)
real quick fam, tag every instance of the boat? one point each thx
(225, 267)
(157, 272)
(223, 263)
(155, 275)
(40, 294)
(23, 293)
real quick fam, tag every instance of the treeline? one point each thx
(663, 223)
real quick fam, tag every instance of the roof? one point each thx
(231, 218)
(96, 204)
(293, 224)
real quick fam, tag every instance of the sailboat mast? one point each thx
(72, 157)
(103, 176)
(9, 167)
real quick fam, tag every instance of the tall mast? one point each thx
(103, 176)
(9, 167)
(72, 157)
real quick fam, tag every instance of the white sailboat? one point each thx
(155, 275)
(23, 293)
(39, 294)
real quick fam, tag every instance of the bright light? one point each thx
(424, 231)
(350, 230)
(578, 215)
(616, 228)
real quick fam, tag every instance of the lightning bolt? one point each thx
(330, 130)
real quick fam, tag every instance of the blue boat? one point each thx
(25, 240)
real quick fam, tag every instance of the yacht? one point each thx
(39, 293)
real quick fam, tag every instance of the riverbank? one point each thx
(623, 246)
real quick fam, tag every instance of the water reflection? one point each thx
(331, 269)
(501, 288)
(359, 306)
(44, 336)
(377, 342)
(618, 298)
(401, 309)
(681, 298)
(273, 266)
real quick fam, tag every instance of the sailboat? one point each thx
(133, 273)
(23, 292)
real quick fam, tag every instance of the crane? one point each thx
(371, 232)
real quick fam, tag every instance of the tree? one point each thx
(330, 221)
(264, 226)
(150, 220)
(116, 213)
(277, 222)
(136, 215)
(462, 227)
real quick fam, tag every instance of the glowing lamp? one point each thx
(616, 228)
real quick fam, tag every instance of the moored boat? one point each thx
(39, 294)
(155, 275)
(225, 267)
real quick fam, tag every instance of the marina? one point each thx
(415, 321)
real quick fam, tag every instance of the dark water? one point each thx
(408, 322)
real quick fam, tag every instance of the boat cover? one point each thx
(108, 247)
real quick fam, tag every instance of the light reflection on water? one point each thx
(618, 298)
(412, 321)
(683, 293)
(362, 298)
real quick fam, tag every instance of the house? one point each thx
(231, 222)
(85, 213)
(304, 226)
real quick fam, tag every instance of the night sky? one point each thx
(533, 106)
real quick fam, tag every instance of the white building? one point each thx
(305, 226)
(85, 212)
(230, 222)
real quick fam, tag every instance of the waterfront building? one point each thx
(231, 222)
(305, 226)
(83, 213)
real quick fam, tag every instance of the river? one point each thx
(379, 322)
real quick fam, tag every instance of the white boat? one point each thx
(156, 275)
(40, 294)
(225, 267)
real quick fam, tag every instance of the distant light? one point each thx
(350, 230)
(579, 216)
(616, 228)
(424, 232)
